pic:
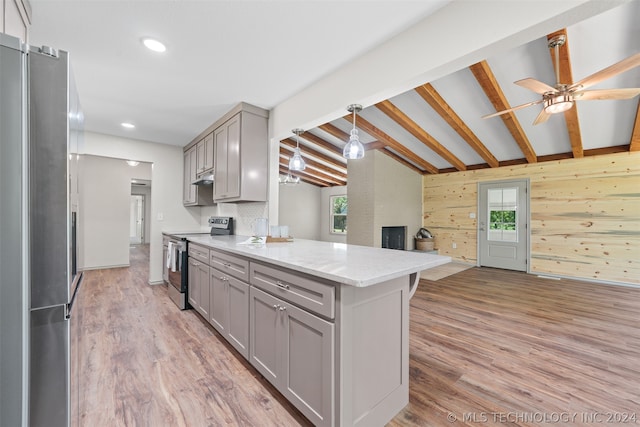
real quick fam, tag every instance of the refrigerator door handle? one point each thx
(68, 307)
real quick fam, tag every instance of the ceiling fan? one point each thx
(561, 97)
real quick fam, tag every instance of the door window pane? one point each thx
(503, 214)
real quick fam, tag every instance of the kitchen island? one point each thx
(326, 323)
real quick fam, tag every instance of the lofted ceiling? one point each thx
(264, 52)
(438, 126)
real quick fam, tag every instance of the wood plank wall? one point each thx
(585, 215)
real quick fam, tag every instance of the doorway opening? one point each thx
(137, 220)
(503, 224)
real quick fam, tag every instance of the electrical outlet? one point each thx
(454, 245)
(472, 215)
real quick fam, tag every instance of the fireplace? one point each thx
(394, 237)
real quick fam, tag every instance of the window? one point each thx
(338, 221)
(503, 209)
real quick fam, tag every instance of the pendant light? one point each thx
(296, 163)
(354, 148)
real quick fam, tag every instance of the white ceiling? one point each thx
(221, 52)
(218, 54)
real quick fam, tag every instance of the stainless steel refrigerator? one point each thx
(40, 139)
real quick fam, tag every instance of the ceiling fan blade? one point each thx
(535, 85)
(602, 94)
(542, 117)
(528, 104)
(607, 73)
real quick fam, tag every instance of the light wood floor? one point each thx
(488, 347)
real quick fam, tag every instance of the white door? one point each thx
(136, 219)
(503, 224)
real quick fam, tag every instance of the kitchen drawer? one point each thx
(230, 264)
(309, 294)
(200, 253)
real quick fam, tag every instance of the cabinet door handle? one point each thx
(276, 306)
(282, 308)
(282, 285)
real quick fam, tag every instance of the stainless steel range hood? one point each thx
(204, 179)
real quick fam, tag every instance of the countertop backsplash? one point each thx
(244, 214)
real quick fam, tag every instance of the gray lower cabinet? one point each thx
(294, 350)
(198, 288)
(230, 309)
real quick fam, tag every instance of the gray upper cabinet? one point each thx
(236, 150)
(195, 195)
(189, 190)
(241, 156)
(204, 154)
(208, 153)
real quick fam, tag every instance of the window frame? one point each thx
(333, 215)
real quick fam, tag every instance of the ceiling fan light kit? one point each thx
(561, 97)
(354, 148)
(555, 103)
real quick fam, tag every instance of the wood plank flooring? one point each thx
(487, 347)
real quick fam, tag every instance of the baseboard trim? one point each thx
(104, 267)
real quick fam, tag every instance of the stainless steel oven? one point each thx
(177, 258)
(177, 267)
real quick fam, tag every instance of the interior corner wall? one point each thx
(105, 189)
(585, 215)
(299, 208)
(325, 214)
(167, 211)
(382, 193)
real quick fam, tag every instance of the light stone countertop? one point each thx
(347, 264)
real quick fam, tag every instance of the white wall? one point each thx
(300, 208)
(325, 214)
(104, 216)
(166, 188)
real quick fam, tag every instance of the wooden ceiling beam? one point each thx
(308, 180)
(491, 88)
(395, 114)
(399, 159)
(316, 174)
(321, 143)
(284, 153)
(634, 144)
(308, 151)
(392, 143)
(440, 106)
(335, 131)
(566, 77)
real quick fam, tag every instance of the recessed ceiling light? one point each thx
(127, 125)
(154, 45)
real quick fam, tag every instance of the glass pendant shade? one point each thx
(296, 163)
(354, 148)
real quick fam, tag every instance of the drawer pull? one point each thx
(282, 308)
(276, 306)
(226, 264)
(281, 285)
